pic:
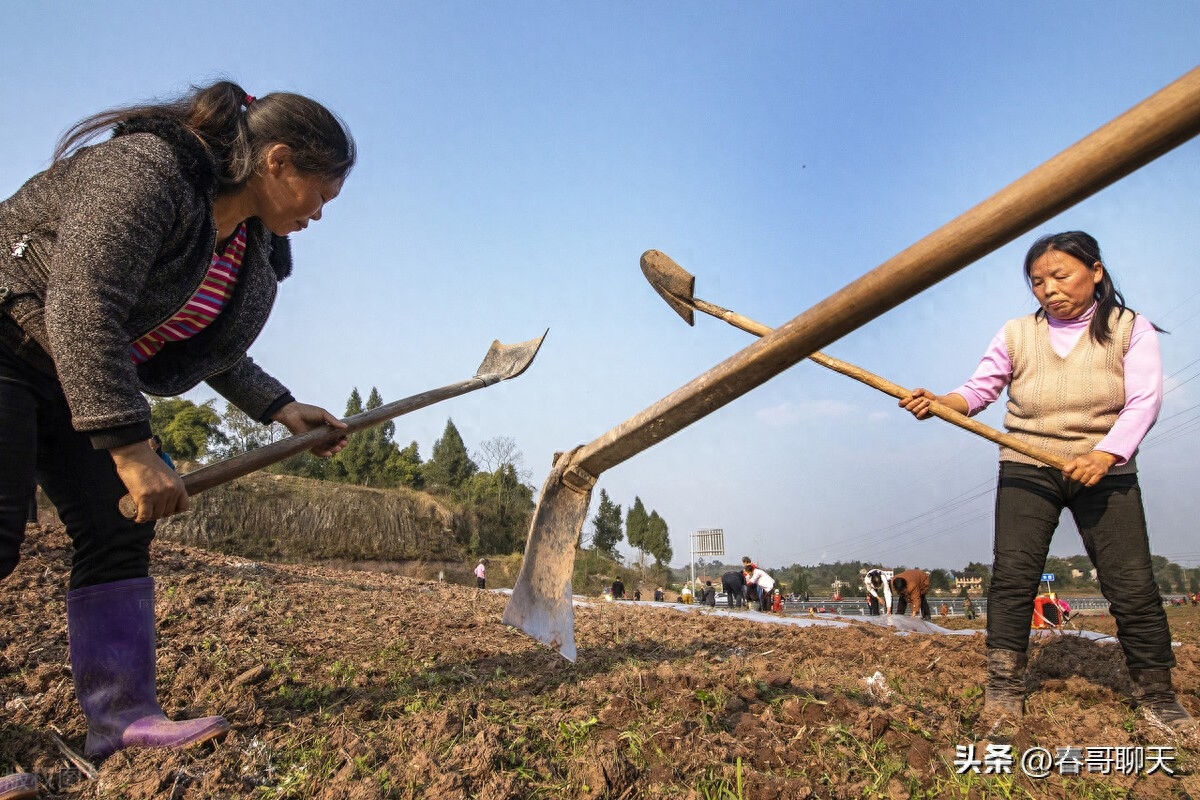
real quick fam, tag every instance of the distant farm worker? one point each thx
(1063, 606)
(481, 573)
(685, 595)
(659, 595)
(762, 584)
(968, 608)
(1084, 379)
(748, 592)
(710, 594)
(878, 587)
(145, 264)
(912, 588)
(733, 584)
(156, 445)
(618, 589)
(777, 602)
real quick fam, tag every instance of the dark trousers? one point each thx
(1112, 524)
(902, 604)
(873, 605)
(38, 445)
(733, 592)
(764, 600)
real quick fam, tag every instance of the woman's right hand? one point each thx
(156, 488)
(918, 403)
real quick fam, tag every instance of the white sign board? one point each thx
(710, 542)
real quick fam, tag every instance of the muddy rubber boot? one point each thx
(111, 631)
(1004, 696)
(18, 786)
(1154, 697)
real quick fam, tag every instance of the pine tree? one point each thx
(636, 523)
(450, 467)
(606, 526)
(658, 539)
(378, 448)
(405, 467)
(367, 457)
(354, 403)
(349, 466)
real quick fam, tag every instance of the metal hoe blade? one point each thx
(541, 602)
(504, 361)
(672, 282)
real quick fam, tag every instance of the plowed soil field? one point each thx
(354, 684)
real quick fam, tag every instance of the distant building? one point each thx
(972, 583)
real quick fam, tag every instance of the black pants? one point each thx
(733, 592)
(1111, 522)
(902, 605)
(764, 599)
(873, 605)
(38, 445)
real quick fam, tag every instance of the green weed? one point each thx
(712, 787)
(572, 734)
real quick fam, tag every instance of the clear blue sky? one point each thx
(518, 157)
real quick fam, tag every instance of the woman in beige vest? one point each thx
(1084, 380)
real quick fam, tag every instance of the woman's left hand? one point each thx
(301, 418)
(1089, 469)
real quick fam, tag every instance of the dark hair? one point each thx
(899, 584)
(876, 577)
(237, 129)
(1084, 248)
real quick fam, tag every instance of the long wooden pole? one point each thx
(887, 387)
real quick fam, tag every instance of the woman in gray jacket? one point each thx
(145, 263)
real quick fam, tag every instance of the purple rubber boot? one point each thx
(18, 786)
(111, 631)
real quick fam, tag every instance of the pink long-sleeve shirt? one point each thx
(1143, 379)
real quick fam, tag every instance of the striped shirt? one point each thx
(203, 306)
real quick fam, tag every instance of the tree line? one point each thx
(492, 487)
(646, 532)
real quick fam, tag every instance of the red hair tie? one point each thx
(249, 99)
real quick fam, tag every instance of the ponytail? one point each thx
(237, 129)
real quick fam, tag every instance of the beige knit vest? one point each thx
(1065, 405)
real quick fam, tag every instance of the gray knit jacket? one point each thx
(107, 244)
